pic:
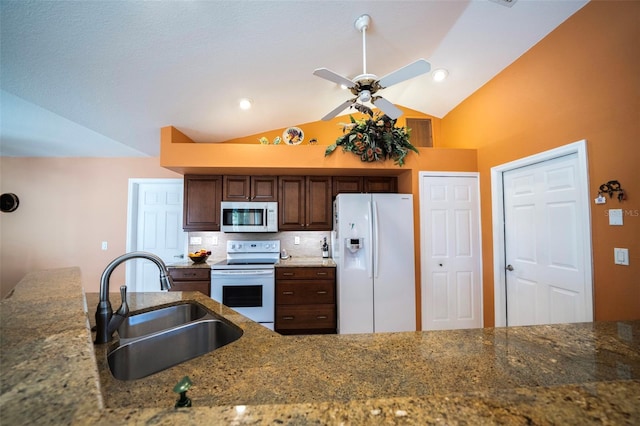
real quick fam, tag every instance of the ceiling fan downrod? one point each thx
(361, 24)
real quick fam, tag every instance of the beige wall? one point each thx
(68, 206)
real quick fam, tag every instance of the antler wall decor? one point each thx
(611, 187)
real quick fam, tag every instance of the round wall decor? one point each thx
(9, 202)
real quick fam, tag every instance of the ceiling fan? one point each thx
(365, 86)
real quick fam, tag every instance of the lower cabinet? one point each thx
(305, 300)
(191, 279)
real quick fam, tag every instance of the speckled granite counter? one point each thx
(300, 262)
(304, 262)
(578, 373)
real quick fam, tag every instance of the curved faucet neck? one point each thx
(106, 321)
(106, 274)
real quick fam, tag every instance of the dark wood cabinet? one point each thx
(250, 188)
(202, 197)
(304, 203)
(347, 185)
(380, 184)
(191, 279)
(305, 300)
(364, 184)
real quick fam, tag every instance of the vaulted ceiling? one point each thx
(101, 78)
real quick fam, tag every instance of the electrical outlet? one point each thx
(105, 245)
(296, 240)
(214, 241)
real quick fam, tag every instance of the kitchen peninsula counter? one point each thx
(570, 373)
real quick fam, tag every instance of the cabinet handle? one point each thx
(321, 317)
(321, 292)
(288, 317)
(321, 273)
(287, 293)
(289, 274)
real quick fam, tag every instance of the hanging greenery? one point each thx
(374, 138)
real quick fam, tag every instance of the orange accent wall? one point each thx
(326, 132)
(581, 82)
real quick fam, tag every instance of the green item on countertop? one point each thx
(182, 387)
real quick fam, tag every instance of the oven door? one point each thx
(250, 292)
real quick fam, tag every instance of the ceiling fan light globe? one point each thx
(365, 96)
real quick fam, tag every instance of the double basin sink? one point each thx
(155, 340)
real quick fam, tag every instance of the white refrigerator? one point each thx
(372, 243)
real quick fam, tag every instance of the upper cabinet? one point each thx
(250, 188)
(380, 184)
(304, 203)
(359, 184)
(202, 197)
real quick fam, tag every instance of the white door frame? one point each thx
(423, 241)
(497, 208)
(132, 217)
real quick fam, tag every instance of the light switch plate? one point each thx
(621, 256)
(195, 240)
(615, 217)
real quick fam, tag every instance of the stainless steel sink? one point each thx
(150, 354)
(138, 325)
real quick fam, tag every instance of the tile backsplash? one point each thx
(310, 242)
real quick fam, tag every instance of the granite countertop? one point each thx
(569, 373)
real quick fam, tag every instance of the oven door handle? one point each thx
(243, 272)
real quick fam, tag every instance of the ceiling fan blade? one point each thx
(327, 74)
(387, 107)
(338, 110)
(414, 69)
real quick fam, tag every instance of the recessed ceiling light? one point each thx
(439, 74)
(245, 103)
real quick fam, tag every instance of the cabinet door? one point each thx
(291, 203)
(236, 188)
(291, 319)
(305, 292)
(319, 205)
(381, 184)
(347, 184)
(264, 188)
(202, 196)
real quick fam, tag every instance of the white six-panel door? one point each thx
(544, 240)
(451, 284)
(156, 227)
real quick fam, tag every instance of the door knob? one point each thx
(181, 256)
(509, 268)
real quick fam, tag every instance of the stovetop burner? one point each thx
(243, 254)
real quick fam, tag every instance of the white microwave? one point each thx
(249, 216)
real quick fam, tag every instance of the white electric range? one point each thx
(245, 281)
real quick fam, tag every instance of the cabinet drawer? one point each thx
(203, 287)
(305, 317)
(183, 274)
(300, 292)
(305, 273)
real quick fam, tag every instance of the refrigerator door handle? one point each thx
(376, 248)
(371, 243)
